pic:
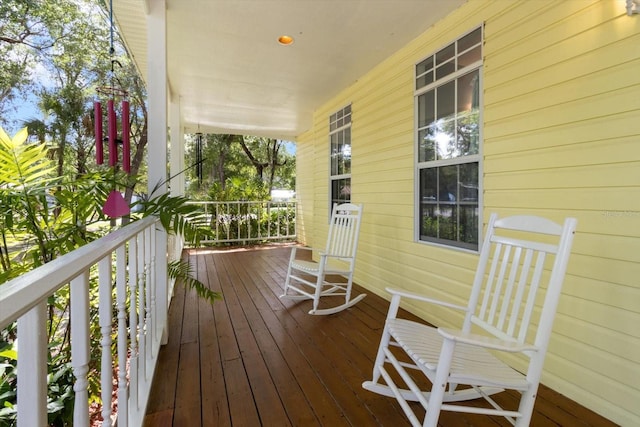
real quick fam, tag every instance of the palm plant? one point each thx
(45, 216)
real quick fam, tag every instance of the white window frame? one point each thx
(338, 125)
(468, 159)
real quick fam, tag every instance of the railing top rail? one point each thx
(19, 295)
(229, 202)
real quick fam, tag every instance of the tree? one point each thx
(28, 29)
(235, 159)
(71, 41)
(264, 153)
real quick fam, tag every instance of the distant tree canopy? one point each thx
(56, 55)
(240, 167)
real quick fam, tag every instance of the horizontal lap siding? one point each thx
(305, 183)
(561, 96)
(562, 131)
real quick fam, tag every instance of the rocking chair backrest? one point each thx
(522, 264)
(344, 228)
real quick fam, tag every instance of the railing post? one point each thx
(32, 367)
(80, 346)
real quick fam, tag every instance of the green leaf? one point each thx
(10, 354)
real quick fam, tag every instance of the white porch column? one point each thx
(157, 147)
(177, 173)
(176, 156)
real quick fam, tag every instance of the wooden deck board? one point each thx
(254, 359)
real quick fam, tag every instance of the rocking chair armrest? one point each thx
(485, 341)
(305, 248)
(423, 298)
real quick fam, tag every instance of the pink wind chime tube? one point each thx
(112, 132)
(126, 144)
(97, 116)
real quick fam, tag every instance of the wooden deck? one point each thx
(255, 360)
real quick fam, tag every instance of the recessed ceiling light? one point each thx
(285, 40)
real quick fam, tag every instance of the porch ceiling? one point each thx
(231, 75)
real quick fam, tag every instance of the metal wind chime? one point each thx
(115, 205)
(199, 172)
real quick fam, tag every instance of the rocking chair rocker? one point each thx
(519, 275)
(312, 280)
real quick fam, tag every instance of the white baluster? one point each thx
(153, 285)
(80, 346)
(121, 300)
(142, 348)
(104, 311)
(32, 367)
(133, 320)
(148, 287)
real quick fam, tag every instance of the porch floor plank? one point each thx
(253, 359)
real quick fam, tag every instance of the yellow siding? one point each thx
(561, 96)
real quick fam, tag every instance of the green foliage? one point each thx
(51, 216)
(8, 370)
(239, 188)
(176, 216)
(182, 272)
(260, 164)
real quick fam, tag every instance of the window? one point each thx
(340, 156)
(448, 138)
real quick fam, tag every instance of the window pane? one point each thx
(468, 183)
(468, 228)
(444, 138)
(445, 69)
(426, 144)
(339, 153)
(469, 58)
(428, 202)
(446, 100)
(429, 185)
(445, 54)
(468, 126)
(447, 223)
(468, 92)
(449, 204)
(340, 190)
(334, 154)
(426, 112)
(448, 183)
(346, 152)
(424, 80)
(425, 65)
(470, 40)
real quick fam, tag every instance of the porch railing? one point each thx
(249, 221)
(123, 261)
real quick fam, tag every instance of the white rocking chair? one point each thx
(309, 279)
(514, 276)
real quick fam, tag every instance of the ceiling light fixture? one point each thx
(285, 40)
(633, 7)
